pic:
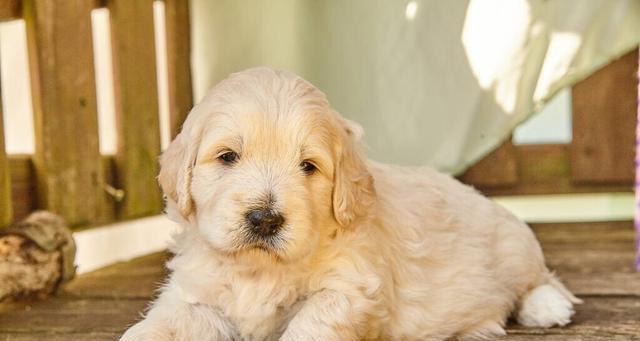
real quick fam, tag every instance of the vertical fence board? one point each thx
(604, 106)
(67, 158)
(178, 62)
(10, 9)
(136, 96)
(23, 185)
(6, 208)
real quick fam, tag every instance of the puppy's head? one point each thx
(264, 165)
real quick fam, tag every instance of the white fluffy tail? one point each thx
(547, 305)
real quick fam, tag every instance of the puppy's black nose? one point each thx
(264, 222)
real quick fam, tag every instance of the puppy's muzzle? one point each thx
(264, 222)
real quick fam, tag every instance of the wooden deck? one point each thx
(595, 260)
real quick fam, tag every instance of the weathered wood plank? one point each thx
(67, 158)
(604, 120)
(53, 336)
(542, 169)
(70, 315)
(592, 258)
(498, 169)
(136, 96)
(597, 318)
(83, 312)
(581, 233)
(563, 337)
(595, 268)
(6, 206)
(23, 186)
(178, 62)
(139, 278)
(10, 10)
(23, 182)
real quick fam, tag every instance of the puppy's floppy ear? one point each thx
(176, 164)
(353, 190)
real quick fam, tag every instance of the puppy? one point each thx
(289, 233)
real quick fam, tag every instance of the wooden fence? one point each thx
(67, 174)
(600, 157)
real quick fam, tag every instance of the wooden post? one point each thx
(23, 185)
(136, 96)
(178, 62)
(604, 109)
(6, 208)
(10, 9)
(67, 158)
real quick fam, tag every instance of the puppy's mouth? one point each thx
(270, 243)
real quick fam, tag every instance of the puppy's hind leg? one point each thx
(547, 305)
(485, 331)
(148, 331)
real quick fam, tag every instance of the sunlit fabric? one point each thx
(434, 82)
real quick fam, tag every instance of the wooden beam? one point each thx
(6, 207)
(544, 169)
(23, 183)
(604, 120)
(136, 96)
(178, 62)
(67, 157)
(10, 10)
(498, 169)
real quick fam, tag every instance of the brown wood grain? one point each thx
(100, 305)
(498, 169)
(604, 121)
(136, 96)
(178, 62)
(67, 159)
(138, 278)
(80, 318)
(594, 258)
(55, 336)
(6, 206)
(23, 186)
(542, 169)
(10, 10)
(69, 315)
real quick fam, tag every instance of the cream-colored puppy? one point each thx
(289, 234)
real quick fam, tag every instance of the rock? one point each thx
(36, 256)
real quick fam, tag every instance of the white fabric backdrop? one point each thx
(433, 82)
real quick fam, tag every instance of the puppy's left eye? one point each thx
(229, 157)
(308, 167)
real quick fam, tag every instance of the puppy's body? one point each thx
(367, 251)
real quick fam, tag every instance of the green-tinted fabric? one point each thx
(432, 82)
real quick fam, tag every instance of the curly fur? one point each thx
(367, 251)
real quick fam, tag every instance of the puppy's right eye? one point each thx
(308, 167)
(229, 158)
